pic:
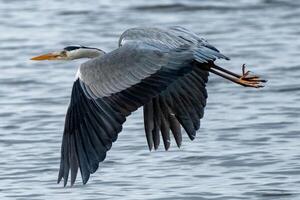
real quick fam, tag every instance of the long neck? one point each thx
(85, 53)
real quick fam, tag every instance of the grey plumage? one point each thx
(164, 70)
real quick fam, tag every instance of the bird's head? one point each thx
(71, 53)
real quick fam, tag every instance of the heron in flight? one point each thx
(165, 70)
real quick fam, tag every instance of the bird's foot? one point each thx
(248, 79)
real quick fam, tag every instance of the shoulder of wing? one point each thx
(125, 56)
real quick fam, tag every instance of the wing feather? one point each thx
(99, 105)
(162, 70)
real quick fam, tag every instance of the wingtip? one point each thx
(192, 137)
(73, 182)
(58, 180)
(85, 179)
(167, 144)
(84, 182)
(150, 146)
(65, 182)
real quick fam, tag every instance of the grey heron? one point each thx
(165, 70)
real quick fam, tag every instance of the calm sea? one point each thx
(248, 146)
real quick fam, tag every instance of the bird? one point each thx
(162, 69)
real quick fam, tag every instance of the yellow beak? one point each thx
(48, 56)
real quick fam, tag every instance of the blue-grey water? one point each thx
(248, 146)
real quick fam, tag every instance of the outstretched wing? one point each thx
(111, 87)
(183, 102)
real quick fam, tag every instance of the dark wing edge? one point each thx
(183, 103)
(92, 124)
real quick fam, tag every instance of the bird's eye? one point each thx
(63, 53)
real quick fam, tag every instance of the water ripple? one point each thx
(248, 143)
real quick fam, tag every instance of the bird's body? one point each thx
(163, 70)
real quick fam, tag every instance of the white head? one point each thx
(71, 53)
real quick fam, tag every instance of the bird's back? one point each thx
(172, 37)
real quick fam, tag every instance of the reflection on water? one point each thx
(248, 146)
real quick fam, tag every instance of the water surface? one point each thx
(248, 144)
